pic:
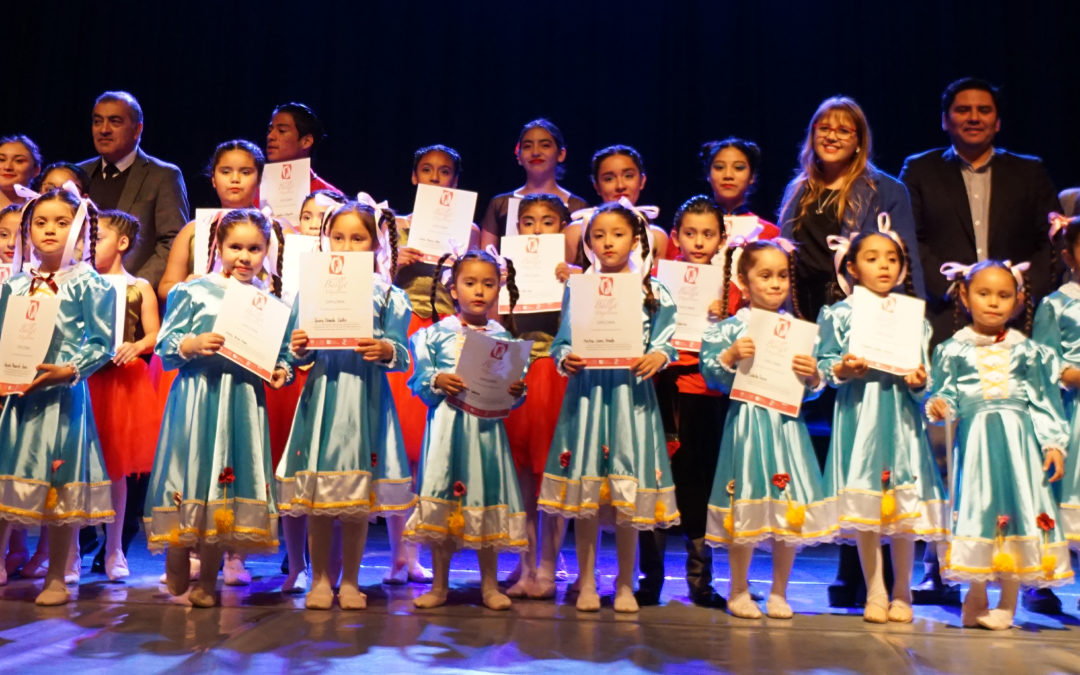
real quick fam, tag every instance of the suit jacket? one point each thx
(155, 194)
(1021, 194)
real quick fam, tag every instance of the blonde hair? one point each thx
(811, 176)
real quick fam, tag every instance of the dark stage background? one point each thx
(387, 77)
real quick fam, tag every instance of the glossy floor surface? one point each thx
(136, 627)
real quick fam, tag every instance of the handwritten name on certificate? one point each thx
(296, 245)
(24, 339)
(441, 217)
(335, 298)
(253, 324)
(488, 366)
(694, 288)
(606, 324)
(887, 332)
(535, 258)
(283, 188)
(767, 379)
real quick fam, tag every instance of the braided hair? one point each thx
(640, 226)
(455, 268)
(366, 215)
(267, 227)
(965, 283)
(746, 263)
(59, 194)
(1065, 242)
(837, 293)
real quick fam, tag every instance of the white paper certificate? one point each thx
(887, 332)
(606, 324)
(440, 216)
(201, 240)
(253, 324)
(296, 246)
(767, 379)
(488, 367)
(535, 257)
(694, 288)
(513, 205)
(283, 188)
(335, 307)
(5, 272)
(25, 339)
(119, 283)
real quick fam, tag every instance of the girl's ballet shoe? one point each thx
(418, 574)
(625, 602)
(900, 612)
(972, 610)
(588, 600)
(35, 568)
(743, 606)
(116, 566)
(996, 619)
(433, 598)
(351, 598)
(777, 607)
(319, 598)
(201, 598)
(494, 599)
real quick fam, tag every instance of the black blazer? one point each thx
(155, 194)
(1021, 194)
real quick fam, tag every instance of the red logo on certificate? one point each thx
(498, 350)
(690, 277)
(32, 309)
(337, 264)
(782, 327)
(286, 171)
(889, 304)
(446, 198)
(5, 273)
(607, 285)
(532, 245)
(259, 301)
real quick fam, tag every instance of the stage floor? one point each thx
(136, 627)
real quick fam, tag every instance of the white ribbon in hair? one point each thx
(457, 249)
(16, 261)
(499, 260)
(73, 232)
(884, 227)
(382, 234)
(1058, 222)
(957, 272)
(840, 246)
(645, 213)
(270, 261)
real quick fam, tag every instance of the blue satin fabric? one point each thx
(757, 444)
(999, 456)
(460, 448)
(1057, 327)
(610, 429)
(345, 455)
(48, 438)
(215, 418)
(877, 426)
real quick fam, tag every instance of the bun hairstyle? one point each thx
(220, 228)
(964, 281)
(125, 224)
(710, 149)
(366, 214)
(455, 268)
(640, 226)
(62, 195)
(551, 200)
(746, 263)
(836, 293)
(236, 144)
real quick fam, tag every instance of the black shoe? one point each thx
(285, 564)
(845, 595)
(646, 597)
(932, 592)
(98, 566)
(755, 595)
(710, 599)
(1041, 601)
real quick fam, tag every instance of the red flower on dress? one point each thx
(226, 477)
(56, 464)
(374, 459)
(1045, 522)
(885, 476)
(607, 451)
(564, 459)
(459, 488)
(1002, 522)
(781, 480)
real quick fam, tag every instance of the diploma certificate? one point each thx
(253, 324)
(694, 288)
(200, 244)
(887, 332)
(335, 307)
(606, 324)
(767, 379)
(513, 205)
(296, 246)
(119, 282)
(25, 339)
(535, 258)
(283, 188)
(441, 217)
(488, 367)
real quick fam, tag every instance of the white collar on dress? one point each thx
(968, 335)
(1071, 290)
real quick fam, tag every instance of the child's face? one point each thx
(435, 168)
(876, 265)
(49, 228)
(9, 227)
(699, 237)
(767, 282)
(476, 290)
(235, 179)
(618, 176)
(348, 233)
(730, 177)
(612, 239)
(539, 218)
(110, 244)
(16, 166)
(539, 153)
(311, 217)
(242, 252)
(991, 298)
(56, 178)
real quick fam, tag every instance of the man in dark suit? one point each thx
(973, 201)
(126, 178)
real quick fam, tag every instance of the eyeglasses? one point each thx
(842, 133)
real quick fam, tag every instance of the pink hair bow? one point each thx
(840, 246)
(884, 227)
(1058, 222)
(457, 249)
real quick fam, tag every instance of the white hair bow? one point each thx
(1058, 222)
(957, 272)
(645, 213)
(840, 245)
(382, 255)
(457, 249)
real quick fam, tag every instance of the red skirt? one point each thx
(127, 412)
(281, 408)
(531, 425)
(410, 409)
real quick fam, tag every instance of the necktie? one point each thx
(111, 171)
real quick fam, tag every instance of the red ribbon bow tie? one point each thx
(46, 279)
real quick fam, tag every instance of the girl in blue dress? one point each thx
(767, 489)
(1002, 388)
(210, 488)
(469, 495)
(51, 467)
(345, 458)
(880, 468)
(608, 456)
